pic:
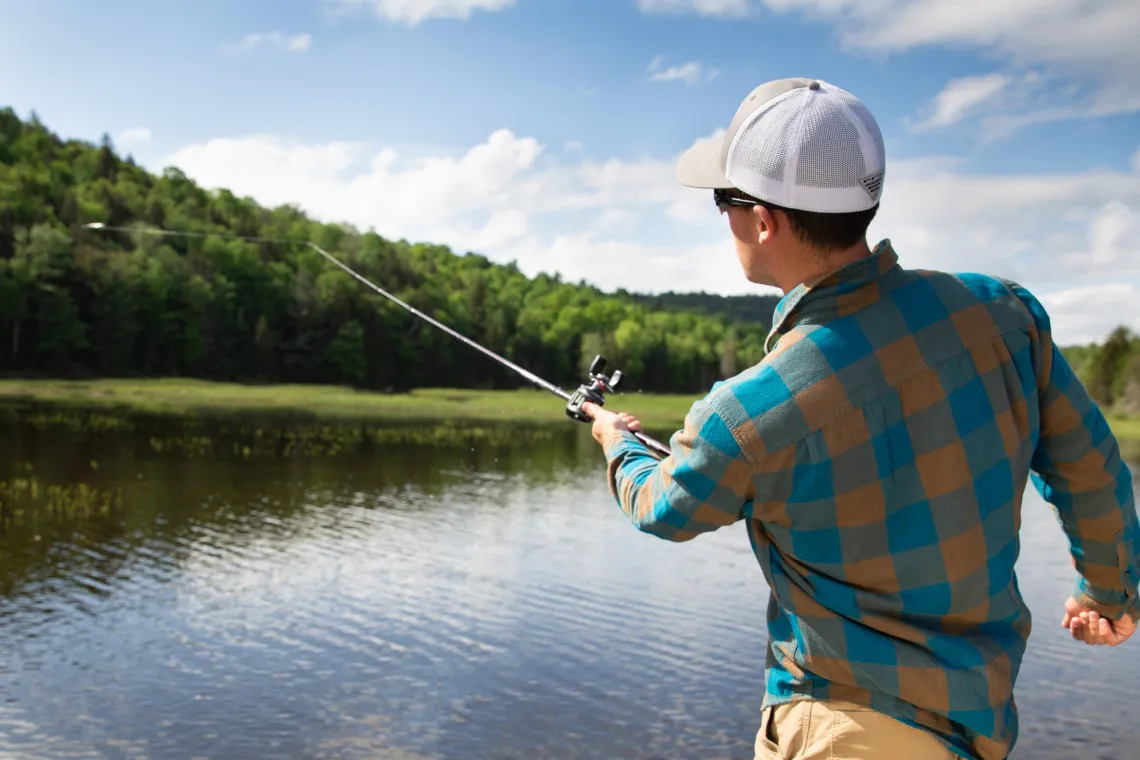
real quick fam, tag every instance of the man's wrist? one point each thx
(1111, 610)
(1132, 611)
(614, 438)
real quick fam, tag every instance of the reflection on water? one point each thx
(217, 591)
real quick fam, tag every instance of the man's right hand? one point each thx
(1089, 627)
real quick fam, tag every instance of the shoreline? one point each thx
(528, 406)
(460, 405)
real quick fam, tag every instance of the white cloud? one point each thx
(1083, 51)
(691, 73)
(1088, 313)
(414, 12)
(725, 8)
(960, 96)
(297, 43)
(1136, 161)
(621, 223)
(1096, 36)
(133, 136)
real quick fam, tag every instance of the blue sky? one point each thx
(545, 131)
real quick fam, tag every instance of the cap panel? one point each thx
(816, 148)
(762, 98)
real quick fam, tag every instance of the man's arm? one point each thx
(704, 484)
(1078, 468)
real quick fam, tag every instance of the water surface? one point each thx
(219, 593)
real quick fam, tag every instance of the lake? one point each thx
(257, 589)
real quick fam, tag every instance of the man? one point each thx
(878, 455)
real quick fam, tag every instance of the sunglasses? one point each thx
(725, 198)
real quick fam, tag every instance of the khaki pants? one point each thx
(834, 730)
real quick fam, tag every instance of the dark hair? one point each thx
(822, 231)
(829, 232)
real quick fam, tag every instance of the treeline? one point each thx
(1110, 370)
(739, 310)
(78, 303)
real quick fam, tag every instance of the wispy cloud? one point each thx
(691, 73)
(1136, 161)
(961, 96)
(723, 8)
(1084, 51)
(1093, 35)
(297, 43)
(133, 136)
(414, 12)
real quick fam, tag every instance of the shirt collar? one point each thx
(845, 290)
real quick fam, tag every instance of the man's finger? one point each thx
(630, 421)
(1107, 633)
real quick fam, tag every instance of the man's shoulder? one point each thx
(953, 295)
(818, 372)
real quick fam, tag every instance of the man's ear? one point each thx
(766, 224)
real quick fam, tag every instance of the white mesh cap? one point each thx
(798, 143)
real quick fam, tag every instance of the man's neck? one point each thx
(815, 267)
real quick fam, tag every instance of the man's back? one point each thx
(881, 449)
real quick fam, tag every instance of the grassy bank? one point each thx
(179, 395)
(533, 406)
(1125, 428)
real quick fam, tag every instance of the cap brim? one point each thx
(700, 166)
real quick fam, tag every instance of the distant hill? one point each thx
(738, 310)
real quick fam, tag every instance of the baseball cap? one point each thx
(798, 143)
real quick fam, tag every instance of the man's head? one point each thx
(799, 173)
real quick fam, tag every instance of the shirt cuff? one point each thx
(614, 441)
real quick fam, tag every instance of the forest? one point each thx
(1111, 370)
(80, 303)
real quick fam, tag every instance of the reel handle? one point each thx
(593, 391)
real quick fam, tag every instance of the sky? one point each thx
(546, 132)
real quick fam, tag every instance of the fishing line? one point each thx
(593, 390)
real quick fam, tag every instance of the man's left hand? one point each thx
(1089, 627)
(606, 421)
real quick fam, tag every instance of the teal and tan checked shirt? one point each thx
(878, 455)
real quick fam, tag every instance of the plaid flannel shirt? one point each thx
(878, 455)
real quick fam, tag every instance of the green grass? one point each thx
(526, 406)
(1125, 428)
(182, 395)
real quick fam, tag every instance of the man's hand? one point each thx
(1089, 627)
(606, 421)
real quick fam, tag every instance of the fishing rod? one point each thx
(593, 390)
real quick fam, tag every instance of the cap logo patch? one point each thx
(873, 183)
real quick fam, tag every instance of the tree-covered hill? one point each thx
(80, 303)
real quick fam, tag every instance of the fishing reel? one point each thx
(592, 391)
